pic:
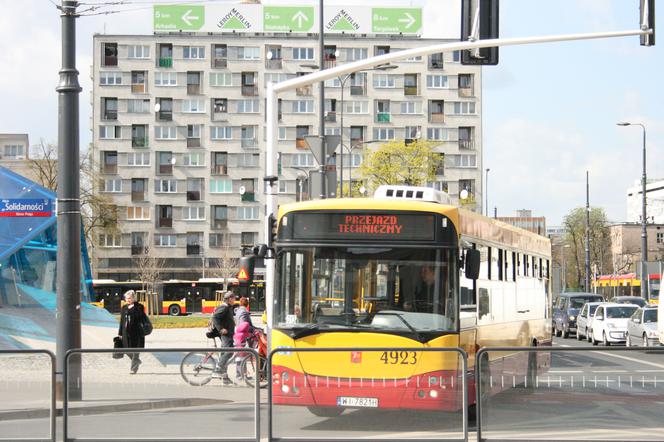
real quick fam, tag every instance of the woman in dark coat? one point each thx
(131, 328)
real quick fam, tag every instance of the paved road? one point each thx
(595, 394)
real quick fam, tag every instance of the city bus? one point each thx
(628, 284)
(404, 269)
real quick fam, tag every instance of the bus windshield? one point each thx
(380, 288)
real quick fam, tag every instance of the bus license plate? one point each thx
(368, 402)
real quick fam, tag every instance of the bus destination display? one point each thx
(327, 226)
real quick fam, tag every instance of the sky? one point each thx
(549, 110)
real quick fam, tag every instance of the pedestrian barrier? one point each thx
(174, 395)
(329, 380)
(582, 393)
(27, 389)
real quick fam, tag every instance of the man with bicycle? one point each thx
(223, 321)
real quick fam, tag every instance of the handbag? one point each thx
(117, 343)
(212, 331)
(147, 325)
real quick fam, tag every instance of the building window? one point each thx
(660, 237)
(412, 132)
(464, 108)
(165, 160)
(353, 54)
(248, 159)
(110, 51)
(466, 138)
(165, 216)
(165, 79)
(303, 53)
(303, 106)
(106, 240)
(113, 185)
(384, 81)
(465, 85)
(248, 213)
(138, 243)
(302, 160)
(221, 79)
(109, 132)
(381, 50)
(193, 106)
(248, 136)
(165, 132)
(221, 132)
(356, 107)
(220, 105)
(436, 61)
(437, 134)
(138, 51)
(461, 161)
(138, 106)
(14, 151)
(110, 162)
(166, 186)
(248, 238)
(193, 52)
(190, 213)
(138, 159)
(138, 213)
(110, 78)
(195, 159)
(221, 185)
(275, 77)
(248, 53)
(194, 241)
(165, 240)
(138, 82)
(411, 107)
(247, 106)
(437, 81)
(194, 189)
(383, 133)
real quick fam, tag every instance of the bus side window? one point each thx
(489, 263)
(500, 265)
(525, 265)
(515, 265)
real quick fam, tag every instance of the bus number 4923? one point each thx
(399, 357)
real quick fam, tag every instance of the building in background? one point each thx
(15, 153)
(654, 202)
(179, 132)
(626, 246)
(525, 220)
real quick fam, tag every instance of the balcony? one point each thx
(331, 116)
(219, 116)
(465, 91)
(435, 64)
(193, 195)
(220, 63)
(358, 90)
(138, 88)
(139, 142)
(110, 115)
(165, 222)
(137, 250)
(166, 62)
(111, 60)
(467, 144)
(219, 169)
(249, 143)
(304, 91)
(193, 89)
(300, 143)
(219, 224)
(110, 168)
(193, 249)
(329, 63)
(437, 117)
(383, 117)
(273, 64)
(410, 90)
(137, 196)
(166, 169)
(249, 90)
(249, 196)
(193, 142)
(165, 116)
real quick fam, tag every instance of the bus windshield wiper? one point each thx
(406, 323)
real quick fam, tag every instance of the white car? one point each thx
(585, 319)
(642, 328)
(610, 321)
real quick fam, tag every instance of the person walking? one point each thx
(243, 331)
(223, 321)
(131, 331)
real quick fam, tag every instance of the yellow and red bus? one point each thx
(404, 269)
(627, 284)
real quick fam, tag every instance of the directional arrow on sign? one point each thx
(299, 17)
(187, 16)
(409, 20)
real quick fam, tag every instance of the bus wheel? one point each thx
(325, 411)
(174, 310)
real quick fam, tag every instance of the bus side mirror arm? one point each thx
(472, 263)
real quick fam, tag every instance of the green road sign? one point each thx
(391, 20)
(178, 17)
(288, 18)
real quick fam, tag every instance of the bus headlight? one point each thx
(572, 318)
(433, 394)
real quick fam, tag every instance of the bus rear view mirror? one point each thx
(472, 264)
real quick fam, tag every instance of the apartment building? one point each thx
(15, 154)
(179, 132)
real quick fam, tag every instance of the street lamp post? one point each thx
(486, 192)
(644, 233)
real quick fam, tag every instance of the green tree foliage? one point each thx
(600, 245)
(397, 162)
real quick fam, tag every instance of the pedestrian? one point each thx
(223, 321)
(131, 331)
(243, 330)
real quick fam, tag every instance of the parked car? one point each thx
(636, 300)
(567, 307)
(609, 324)
(584, 319)
(642, 328)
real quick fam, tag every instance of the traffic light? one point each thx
(648, 22)
(271, 231)
(479, 21)
(245, 275)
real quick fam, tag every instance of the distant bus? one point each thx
(627, 284)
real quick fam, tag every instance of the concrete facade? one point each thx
(15, 153)
(626, 245)
(178, 132)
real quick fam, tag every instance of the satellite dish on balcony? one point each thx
(242, 190)
(463, 194)
(157, 107)
(269, 55)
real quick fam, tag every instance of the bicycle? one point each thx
(197, 368)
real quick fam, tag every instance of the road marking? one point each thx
(566, 371)
(627, 358)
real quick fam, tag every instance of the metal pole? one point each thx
(321, 107)
(486, 193)
(68, 279)
(587, 286)
(644, 220)
(342, 80)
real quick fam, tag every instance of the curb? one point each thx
(42, 413)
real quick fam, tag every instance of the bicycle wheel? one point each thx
(250, 372)
(196, 368)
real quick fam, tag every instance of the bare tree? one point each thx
(226, 264)
(148, 269)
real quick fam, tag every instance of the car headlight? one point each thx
(572, 318)
(610, 325)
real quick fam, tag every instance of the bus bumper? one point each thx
(440, 390)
